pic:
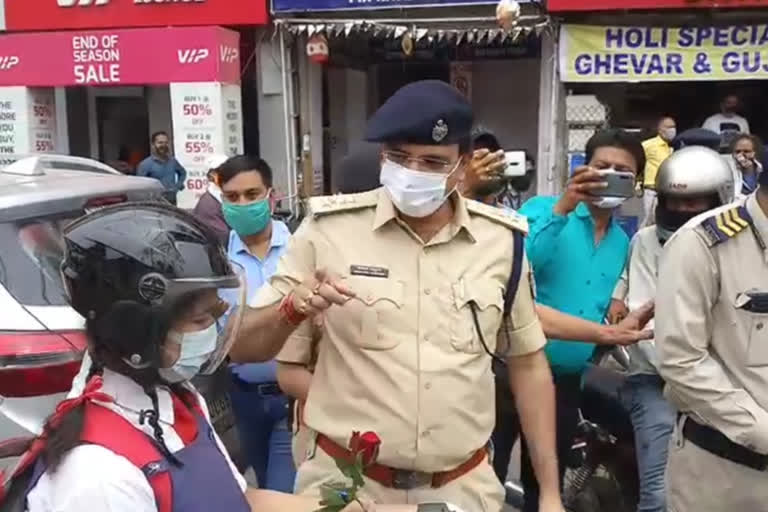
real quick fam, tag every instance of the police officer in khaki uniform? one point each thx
(411, 282)
(712, 343)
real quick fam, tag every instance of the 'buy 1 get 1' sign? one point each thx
(613, 5)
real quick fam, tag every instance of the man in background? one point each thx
(162, 166)
(208, 207)
(728, 123)
(657, 149)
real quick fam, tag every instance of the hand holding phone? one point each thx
(618, 184)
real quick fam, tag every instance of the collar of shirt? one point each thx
(280, 236)
(131, 398)
(462, 222)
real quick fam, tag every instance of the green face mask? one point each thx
(247, 219)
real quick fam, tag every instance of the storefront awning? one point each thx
(120, 57)
(470, 30)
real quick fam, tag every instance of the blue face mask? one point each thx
(196, 348)
(247, 219)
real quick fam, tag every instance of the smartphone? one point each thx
(515, 164)
(620, 184)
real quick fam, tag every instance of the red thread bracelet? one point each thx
(288, 311)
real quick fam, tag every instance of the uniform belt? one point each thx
(262, 388)
(716, 443)
(403, 479)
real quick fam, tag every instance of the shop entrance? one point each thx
(123, 129)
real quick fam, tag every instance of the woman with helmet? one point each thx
(162, 304)
(690, 182)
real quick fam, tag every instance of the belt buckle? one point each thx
(405, 480)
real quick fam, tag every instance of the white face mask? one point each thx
(214, 190)
(609, 203)
(414, 193)
(196, 347)
(668, 134)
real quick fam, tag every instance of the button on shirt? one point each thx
(168, 172)
(572, 274)
(402, 358)
(713, 354)
(257, 273)
(92, 477)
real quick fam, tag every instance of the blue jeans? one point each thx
(264, 427)
(653, 419)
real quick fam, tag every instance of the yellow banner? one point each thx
(646, 54)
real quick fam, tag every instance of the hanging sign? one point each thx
(461, 78)
(207, 120)
(632, 54)
(27, 122)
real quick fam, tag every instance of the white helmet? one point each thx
(693, 171)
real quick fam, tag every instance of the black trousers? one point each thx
(507, 428)
(567, 402)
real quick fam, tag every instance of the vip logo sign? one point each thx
(228, 54)
(192, 55)
(7, 62)
(81, 3)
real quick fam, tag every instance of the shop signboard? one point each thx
(279, 6)
(665, 54)
(120, 57)
(207, 120)
(27, 122)
(94, 14)
(613, 5)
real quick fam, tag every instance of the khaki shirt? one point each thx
(403, 358)
(713, 354)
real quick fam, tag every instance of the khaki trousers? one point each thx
(698, 481)
(477, 491)
(302, 435)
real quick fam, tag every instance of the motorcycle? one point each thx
(601, 469)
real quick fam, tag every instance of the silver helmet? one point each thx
(693, 171)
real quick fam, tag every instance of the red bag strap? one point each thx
(104, 427)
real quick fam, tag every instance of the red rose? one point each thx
(367, 445)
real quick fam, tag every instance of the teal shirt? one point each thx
(571, 274)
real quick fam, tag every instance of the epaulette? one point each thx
(725, 224)
(506, 217)
(327, 205)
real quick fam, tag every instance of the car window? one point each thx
(30, 256)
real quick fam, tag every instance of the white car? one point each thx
(41, 338)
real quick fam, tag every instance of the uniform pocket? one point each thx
(376, 308)
(487, 298)
(757, 333)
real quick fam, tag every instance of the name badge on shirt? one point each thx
(369, 271)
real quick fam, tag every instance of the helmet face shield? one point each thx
(207, 314)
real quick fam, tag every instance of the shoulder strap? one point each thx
(506, 217)
(104, 427)
(517, 271)
(725, 224)
(320, 206)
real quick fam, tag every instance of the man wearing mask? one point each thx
(577, 251)
(728, 123)
(208, 207)
(690, 182)
(256, 243)
(744, 164)
(399, 275)
(162, 166)
(657, 149)
(712, 346)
